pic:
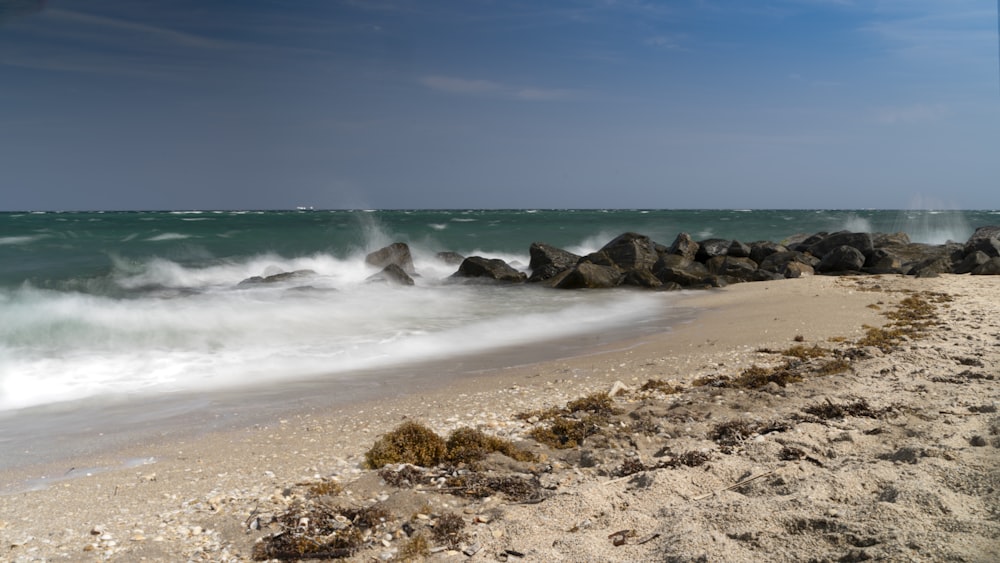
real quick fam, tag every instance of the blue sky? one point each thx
(109, 104)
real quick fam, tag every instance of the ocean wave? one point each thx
(167, 236)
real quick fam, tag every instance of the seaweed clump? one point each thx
(830, 410)
(469, 445)
(319, 531)
(734, 432)
(411, 442)
(568, 427)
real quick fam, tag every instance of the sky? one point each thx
(402, 104)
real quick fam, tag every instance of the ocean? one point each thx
(116, 310)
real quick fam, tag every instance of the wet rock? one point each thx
(971, 262)
(277, 278)
(489, 268)
(985, 240)
(397, 253)
(680, 270)
(592, 276)
(684, 246)
(450, 258)
(762, 249)
(392, 275)
(711, 248)
(862, 242)
(733, 268)
(797, 270)
(779, 260)
(631, 251)
(547, 261)
(738, 250)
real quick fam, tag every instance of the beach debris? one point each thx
(411, 442)
(619, 538)
(448, 529)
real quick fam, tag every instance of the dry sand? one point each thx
(916, 478)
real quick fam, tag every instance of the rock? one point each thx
(684, 246)
(862, 242)
(450, 258)
(762, 249)
(801, 242)
(591, 276)
(797, 270)
(392, 275)
(631, 251)
(490, 268)
(276, 278)
(680, 270)
(779, 260)
(738, 250)
(547, 261)
(641, 278)
(841, 259)
(991, 268)
(397, 253)
(881, 240)
(972, 261)
(733, 268)
(931, 267)
(985, 240)
(710, 248)
(883, 261)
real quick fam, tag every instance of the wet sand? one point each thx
(923, 488)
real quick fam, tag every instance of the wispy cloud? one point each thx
(915, 113)
(172, 36)
(479, 87)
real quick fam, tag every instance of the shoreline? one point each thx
(194, 500)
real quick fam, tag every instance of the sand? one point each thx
(914, 478)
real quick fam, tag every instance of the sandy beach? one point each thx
(892, 456)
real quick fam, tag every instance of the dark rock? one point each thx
(490, 268)
(762, 249)
(397, 253)
(391, 274)
(600, 258)
(450, 258)
(991, 268)
(801, 242)
(776, 262)
(971, 262)
(861, 242)
(710, 248)
(631, 251)
(732, 268)
(680, 270)
(880, 240)
(797, 270)
(547, 261)
(883, 261)
(841, 259)
(985, 240)
(641, 278)
(738, 250)
(276, 278)
(684, 246)
(764, 275)
(590, 275)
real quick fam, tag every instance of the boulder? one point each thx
(861, 242)
(710, 248)
(587, 275)
(450, 258)
(397, 253)
(641, 278)
(738, 250)
(631, 251)
(776, 262)
(881, 240)
(985, 240)
(883, 261)
(762, 249)
(547, 261)
(991, 268)
(801, 242)
(684, 246)
(732, 268)
(971, 262)
(489, 268)
(392, 275)
(841, 259)
(680, 270)
(277, 278)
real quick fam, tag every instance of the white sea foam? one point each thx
(18, 240)
(168, 236)
(61, 346)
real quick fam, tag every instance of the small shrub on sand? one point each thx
(468, 445)
(661, 386)
(755, 377)
(417, 548)
(565, 433)
(326, 487)
(411, 442)
(448, 530)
